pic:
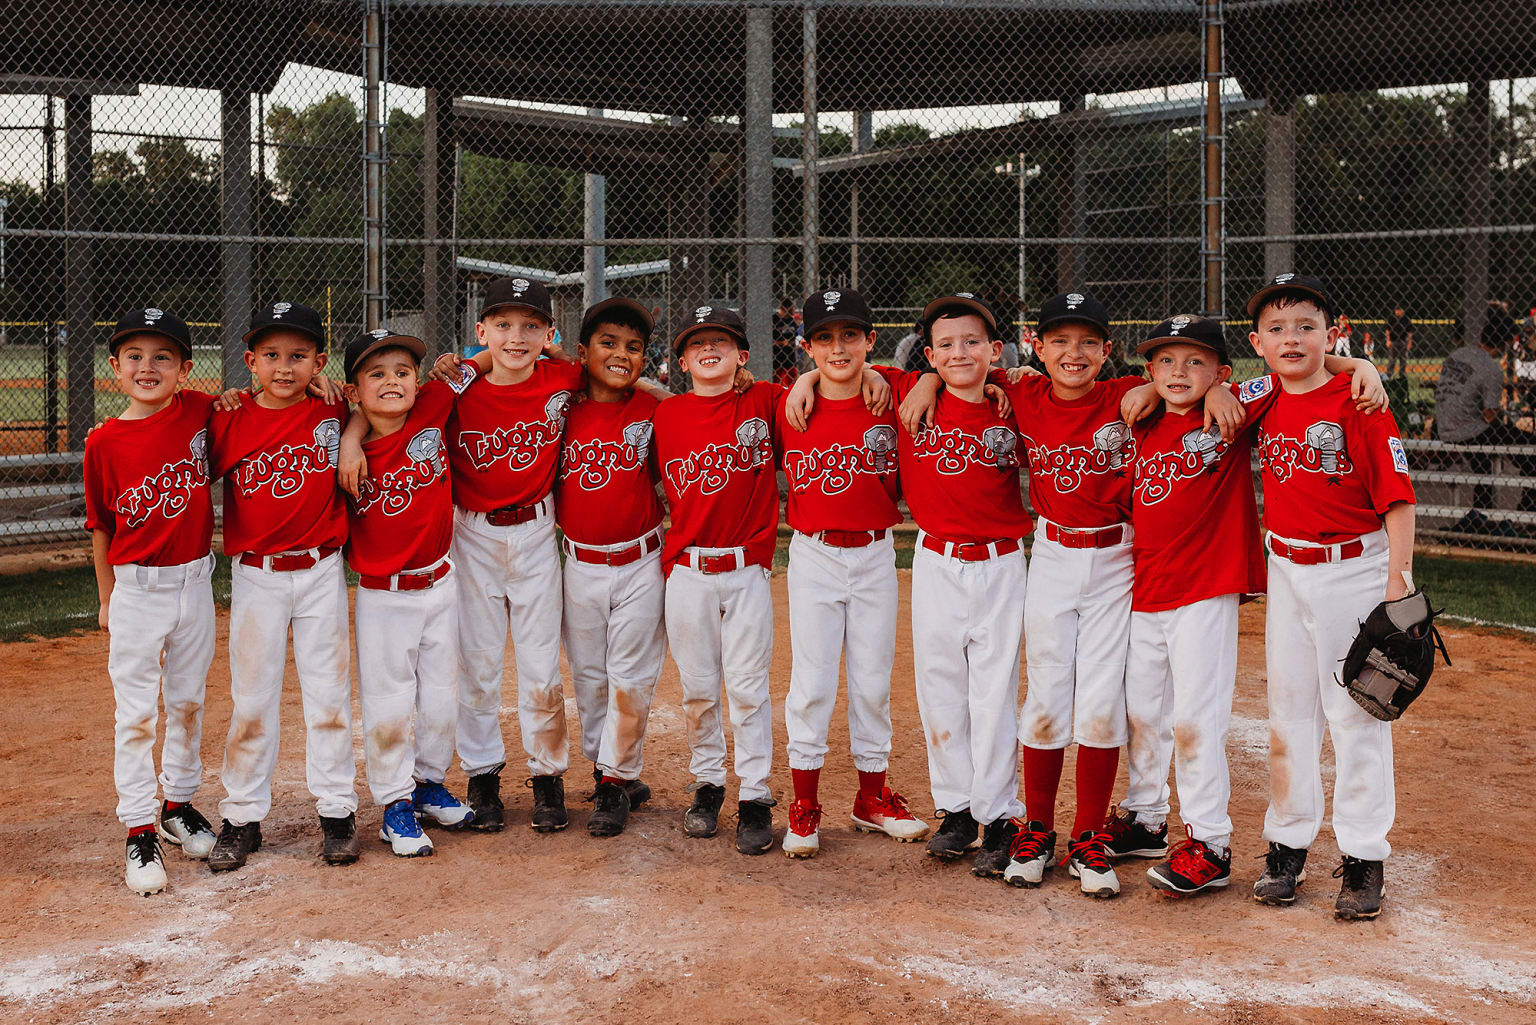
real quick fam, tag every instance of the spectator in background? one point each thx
(785, 353)
(909, 351)
(1522, 365)
(1467, 401)
(1027, 345)
(1399, 341)
(1342, 346)
(1368, 345)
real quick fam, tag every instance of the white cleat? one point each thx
(802, 839)
(403, 833)
(1032, 854)
(145, 871)
(186, 828)
(888, 814)
(1088, 861)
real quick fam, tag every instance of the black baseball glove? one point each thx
(1393, 655)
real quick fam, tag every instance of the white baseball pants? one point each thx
(509, 575)
(967, 618)
(406, 662)
(615, 642)
(720, 628)
(1179, 683)
(1314, 613)
(1077, 631)
(840, 600)
(155, 613)
(263, 605)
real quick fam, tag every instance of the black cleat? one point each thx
(549, 814)
(754, 826)
(340, 843)
(996, 840)
(955, 835)
(484, 798)
(1128, 838)
(610, 810)
(703, 817)
(235, 844)
(638, 792)
(1285, 868)
(1361, 891)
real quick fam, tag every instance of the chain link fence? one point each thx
(381, 160)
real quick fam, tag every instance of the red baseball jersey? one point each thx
(716, 457)
(504, 439)
(403, 516)
(842, 471)
(961, 473)
(1193, 509)
(1329, 470)
(1080, 452)
(146, 484)
(607, 489)
(280, 494)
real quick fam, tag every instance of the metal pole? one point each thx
(863, 142)
(373, 164)
(757, 172)
(79, 278)
(439, 173)
(1213, 248)
(258, 290)
(594, 286)
(1023, 225)
(50, 340)
(235, 219)
(810, 135)
(1279, 184)
(1477, 144)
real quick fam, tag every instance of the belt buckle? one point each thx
(970, 552)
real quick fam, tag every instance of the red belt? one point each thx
(406, 581)
(1310, 556)
(723, 563)
(287, 563)
(511, 515)
(614, 557)
(1069, 538)
(967, 551)
(848, 538)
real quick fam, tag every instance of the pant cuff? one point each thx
(872, 764)
(806, 764)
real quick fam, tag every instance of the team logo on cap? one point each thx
(702, 314)
(1281, 279)
(1074, 300)
(151, 315)
(520, 285)
(278, 309)
(965, 295)
(380, 332)
(831, 298)
(1178, 324)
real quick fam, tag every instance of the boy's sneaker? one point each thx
(549, 814)
(439, 806)
(638, 792)
(1361, 891)
(703, 816)
(186, 828)
(1285, 868)
(145, 871)
(1193, 867)
(955, 835)
(802, 840)
(1088, 860)
(234, 845)
(1128, 838)
(610, 810)
(403, 833)
(484, 793)
(996, 842)
(754, 826)
(887, 813)
(1033, 851)
(340, 844)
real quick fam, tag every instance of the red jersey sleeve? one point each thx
(1386, 463)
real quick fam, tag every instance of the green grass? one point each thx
(1480, 589)
(52, 603)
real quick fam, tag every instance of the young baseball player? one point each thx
(400, 524)
(609, 511)
(284, 526)
(961, 479)
(504, 453)
(843, 489)
(715, 450)
(1339, 520)
(150, 514)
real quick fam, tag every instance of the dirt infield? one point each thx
(654, 927)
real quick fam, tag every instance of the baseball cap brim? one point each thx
(618, 303)
(1259, 298)
(317, 337)
(693, 329)
(117, 337)
(839, 318)
(1147, 345)
(1081, 318)
(931, 311)
(410, 343)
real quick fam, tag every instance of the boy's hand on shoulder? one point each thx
(877, 392)
(229, 399)
(999, 399)
(1017, 374)
(446, 368)
(1366, 387)
(326, 390)
(919, 404)
(1138, 403)
(1223, 410)
(743, 381)
(801, 399)
(351, 464)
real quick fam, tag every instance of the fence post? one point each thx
(594, 285)
(373, 164)
(863, 142)
(757, 172)
(439, 166)
(1477, 137)
(235, 219)
(1279, 183)
(810, 147)
(1213, 249)
(79, 277)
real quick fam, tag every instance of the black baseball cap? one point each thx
(836, 305)
(1073, 306)
(1292, 284)
(615, 305)
(718, 317)
(517, 292)
(1189, 329)
(155, 321)
(967, 301)
(370, 342)
(289, 317)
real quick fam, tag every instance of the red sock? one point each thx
(1042, 778)
(806, 782)
(871, 783)
(1095, 784)
(173, 805)
(613, 779)
(136, 830)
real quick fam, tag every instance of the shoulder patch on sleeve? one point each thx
(1255, 388)
(1399, 457)
(468, 371)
